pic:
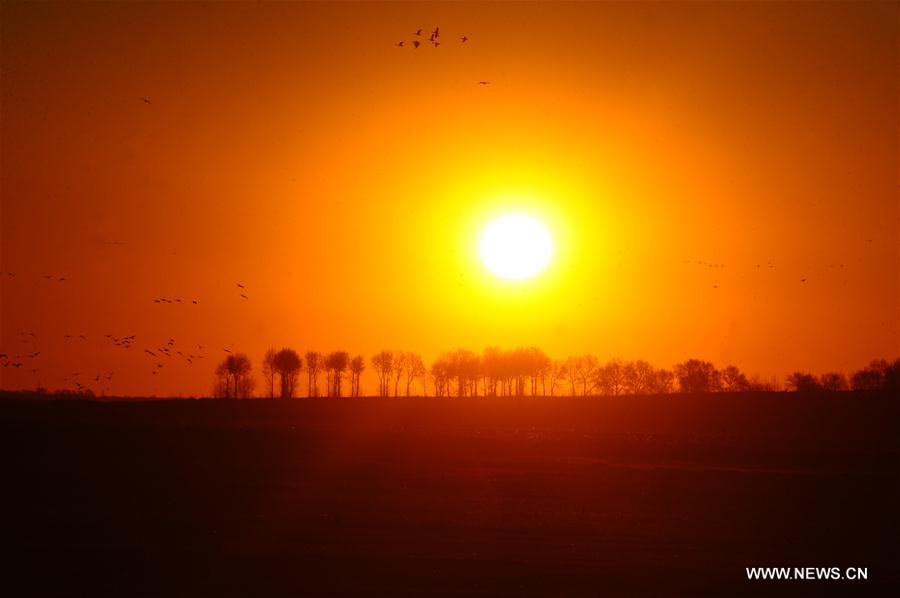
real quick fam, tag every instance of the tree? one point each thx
(697, 376)
(400, 365)
(558, 373)
(802, 382)
(833, 381)
(610, 378)
(879, 375)
(234, 380)
(734, 380)
(357, 365)
(286, 363)
(269, 371)
(415, 368)
(383, 363)
(638, 377)
(313, 367)
(336, 362)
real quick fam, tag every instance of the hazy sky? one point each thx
(344, 181)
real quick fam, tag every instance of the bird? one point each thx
(464, 39)
(240, 286)
(62, 279)
(418, 32)
(416, 44)
(399, 44)
(195, 302)
(145, 100)
(227, 350)
(436, 43)
(483, 82)
(802, 280)
(436, 32)
(244, 296)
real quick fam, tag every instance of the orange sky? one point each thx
(295, 149)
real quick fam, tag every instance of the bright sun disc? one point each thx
(515, 246)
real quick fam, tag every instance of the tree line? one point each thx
(525, 371)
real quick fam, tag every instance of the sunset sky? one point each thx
(344, 181)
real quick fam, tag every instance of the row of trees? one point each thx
(519, 372)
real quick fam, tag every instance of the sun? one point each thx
(515, 246)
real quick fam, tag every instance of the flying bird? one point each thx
(416, 44)
(802, 280)
(418, 32)
(483, 82)
(436, 32)
(145, 100)
(464, 39)
(399, 44)
(241, 286)
(244, 296)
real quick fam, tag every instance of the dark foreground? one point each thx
(564, 497)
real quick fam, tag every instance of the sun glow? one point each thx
(515, 246)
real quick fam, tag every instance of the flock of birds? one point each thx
(434, 39)
(170, 350)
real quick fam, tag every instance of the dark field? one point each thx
(631, 496)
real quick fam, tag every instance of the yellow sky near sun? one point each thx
(345, 181)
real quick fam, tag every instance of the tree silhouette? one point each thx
(697, 376)
(287, 364)
(415, 368)
(268, 370)
(357, 365)
(610, 378)
(833, 381)
(400, 365)
(234, 377)
(336, 362)
(557, 374)
(879, 375)
(803, 382)
(313, 368)
(734, 380)
(383, 363)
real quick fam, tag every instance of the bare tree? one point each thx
(383, 363)
(415, 368)
(234, 379)
(558, 373)
(269, 371)
(400, 365)
(833, 381)
(336, 362)
(313, 368)
(610, 379)
(697, 376)
(734, 380)
(357, 365)
(803, 382)
(287, 364)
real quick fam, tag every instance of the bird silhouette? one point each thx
(436, 32)
(436, 43)
(145, 100)
(802, 280)
(483, 82)
(418, 32)
(399, 44)
(464, 39)
(241, 286)
(416, 44)
(244, 296)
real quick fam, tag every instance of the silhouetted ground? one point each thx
(647, 496)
